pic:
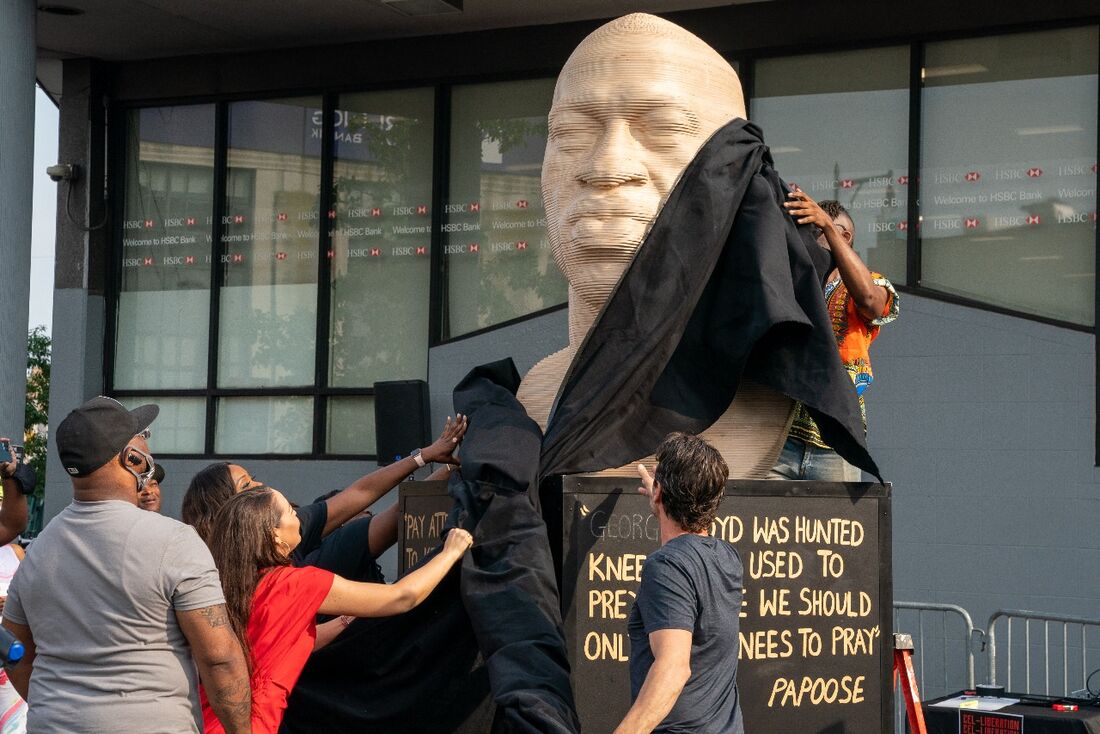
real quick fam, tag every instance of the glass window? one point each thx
(497, 260)
(180, 427)
(264, 425)
(838, 127)
(269, 247)
(164, 297)
(381, 237)
(1008, 186)
(351, 426)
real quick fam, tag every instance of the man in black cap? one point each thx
(113, 603)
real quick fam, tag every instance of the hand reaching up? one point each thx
(443, 449)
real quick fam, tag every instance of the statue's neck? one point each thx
(581, 319)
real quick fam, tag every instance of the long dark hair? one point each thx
(242, 542)
(207, 492)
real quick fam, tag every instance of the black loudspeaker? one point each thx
(402, 418)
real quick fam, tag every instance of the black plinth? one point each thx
(816, 645)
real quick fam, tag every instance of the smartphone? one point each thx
(8, 451)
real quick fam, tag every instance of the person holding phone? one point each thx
(19, 480)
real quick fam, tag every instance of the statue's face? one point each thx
(630, 111)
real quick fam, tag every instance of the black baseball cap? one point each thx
(97, 431)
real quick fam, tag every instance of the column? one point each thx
(17, 75)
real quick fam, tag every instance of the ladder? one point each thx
(903, 671)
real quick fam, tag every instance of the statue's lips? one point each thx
(640, 209)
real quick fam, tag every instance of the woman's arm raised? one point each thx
(384, 600)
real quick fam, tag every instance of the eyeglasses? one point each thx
(137, 458)
(146, 434)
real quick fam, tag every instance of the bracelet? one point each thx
(347, 621)
(418, 458)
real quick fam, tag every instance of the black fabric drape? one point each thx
(491, 629)
(723, 287)
(508, 582)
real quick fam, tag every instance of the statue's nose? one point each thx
(615, 159)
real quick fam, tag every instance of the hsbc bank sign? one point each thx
(350, 125)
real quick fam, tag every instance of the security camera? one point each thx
(63, 172)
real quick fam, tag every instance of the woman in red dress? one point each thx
(272, 604)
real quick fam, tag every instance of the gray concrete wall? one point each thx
(984, 423)
(526, 343)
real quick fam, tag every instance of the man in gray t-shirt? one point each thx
(684, 623)
(118, 606)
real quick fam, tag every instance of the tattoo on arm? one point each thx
(233, 702)
(215, 616)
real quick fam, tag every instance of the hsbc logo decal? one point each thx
(971, 222)
(973, 176)
(1034, 172)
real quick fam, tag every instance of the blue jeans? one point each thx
(800, 460)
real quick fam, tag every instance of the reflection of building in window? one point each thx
(1008, 186)
(268, 301)
(162, 325)
(844, 135)
(498, 264)
(381, 242)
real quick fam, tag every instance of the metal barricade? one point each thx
(944, 662)
(1069, 642)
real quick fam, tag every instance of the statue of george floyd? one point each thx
(633, 104)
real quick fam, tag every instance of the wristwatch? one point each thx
(417, 457)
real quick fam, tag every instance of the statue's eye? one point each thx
(573, 131)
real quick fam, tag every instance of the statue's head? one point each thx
(633, 104)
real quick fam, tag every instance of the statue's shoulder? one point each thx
(540, 385)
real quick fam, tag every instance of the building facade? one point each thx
(285, 227)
